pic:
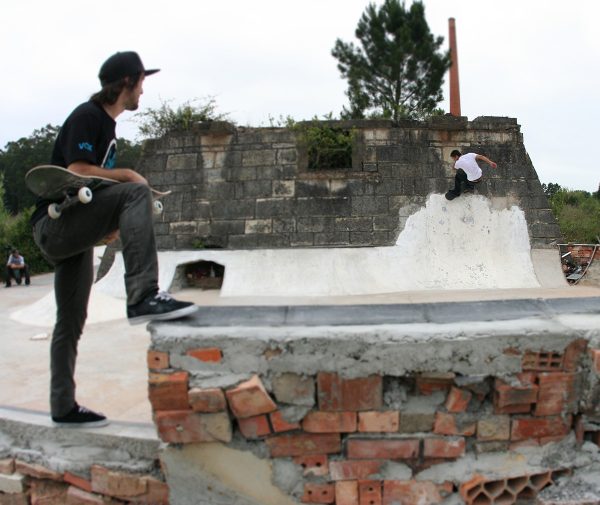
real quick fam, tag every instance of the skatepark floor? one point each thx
(112, 374)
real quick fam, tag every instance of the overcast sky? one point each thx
(534, 60)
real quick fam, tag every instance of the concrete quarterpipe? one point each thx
(468, 243)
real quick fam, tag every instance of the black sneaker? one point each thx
(80, 417)
(159, 307)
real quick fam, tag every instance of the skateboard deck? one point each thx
(67, 188)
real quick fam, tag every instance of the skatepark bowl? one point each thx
(331, 382)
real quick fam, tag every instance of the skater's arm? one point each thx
(487, 160)
(118, 174)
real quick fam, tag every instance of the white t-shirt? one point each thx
(468, 163)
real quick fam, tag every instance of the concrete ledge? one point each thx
(29, 436)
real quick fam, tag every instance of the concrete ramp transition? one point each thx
(469, 243)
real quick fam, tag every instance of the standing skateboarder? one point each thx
(86, 144)
(467, 172)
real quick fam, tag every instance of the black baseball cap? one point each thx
(122, 64)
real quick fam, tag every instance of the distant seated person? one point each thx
(16, 269)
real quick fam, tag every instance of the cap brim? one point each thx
(151, 71)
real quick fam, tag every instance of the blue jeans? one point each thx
(68, 243)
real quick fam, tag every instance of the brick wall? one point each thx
(344, 433)
(23, 483)
(251, 187)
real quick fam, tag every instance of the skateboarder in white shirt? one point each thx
(467, 171)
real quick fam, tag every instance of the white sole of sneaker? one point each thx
(93, 424)
(167, 316)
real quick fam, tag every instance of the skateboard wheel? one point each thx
(85, 195)
(53, 211)
(157, 207)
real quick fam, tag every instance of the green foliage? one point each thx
(17, 158)
(156, 123)
(551, 189)
(398, 71)
(577, 213)
(15, 232)
(328, 147)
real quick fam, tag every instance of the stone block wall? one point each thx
(243, 188)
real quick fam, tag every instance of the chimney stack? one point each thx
(454, 87)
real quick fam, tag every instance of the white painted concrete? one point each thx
(463, 244)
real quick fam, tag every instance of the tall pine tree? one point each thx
(397, 71)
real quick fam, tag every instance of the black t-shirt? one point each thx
(88, 134)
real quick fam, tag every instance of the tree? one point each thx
(398, 71)
(17, 158)
(551, 189)
(578, 215)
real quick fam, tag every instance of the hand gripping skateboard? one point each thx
(68, 188)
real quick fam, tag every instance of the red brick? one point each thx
(595, 355)
(450, 424)
(168, 391)
(329, 422)
(354, 469)
(507, 395)
(317, 465)
(513, 409)
(369, 492)
(557, 394)
(157, 493)
(250, 399)
(410, 492)
(255, 427)
(382, 449)
(77, 496)
(304, 444)
(186, 426)
(346, 492)
(535, 428)
(492, 428)
(337, 394)
(427, 384)
(37, 471)
(458, 400)
(117, 484)
(77, 481)
(379, 422)
(47, 492)
(318, 493)
(573, 354)
(280, 425)
(207, 400)
(206, 354)
(158, 360)
(447, 448)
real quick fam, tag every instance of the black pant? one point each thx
(459, 178)
(68, 243)
(17, 274)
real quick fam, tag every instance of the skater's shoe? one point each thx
(159, 307)
(80, 417)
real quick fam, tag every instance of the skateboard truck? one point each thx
(84, 195)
